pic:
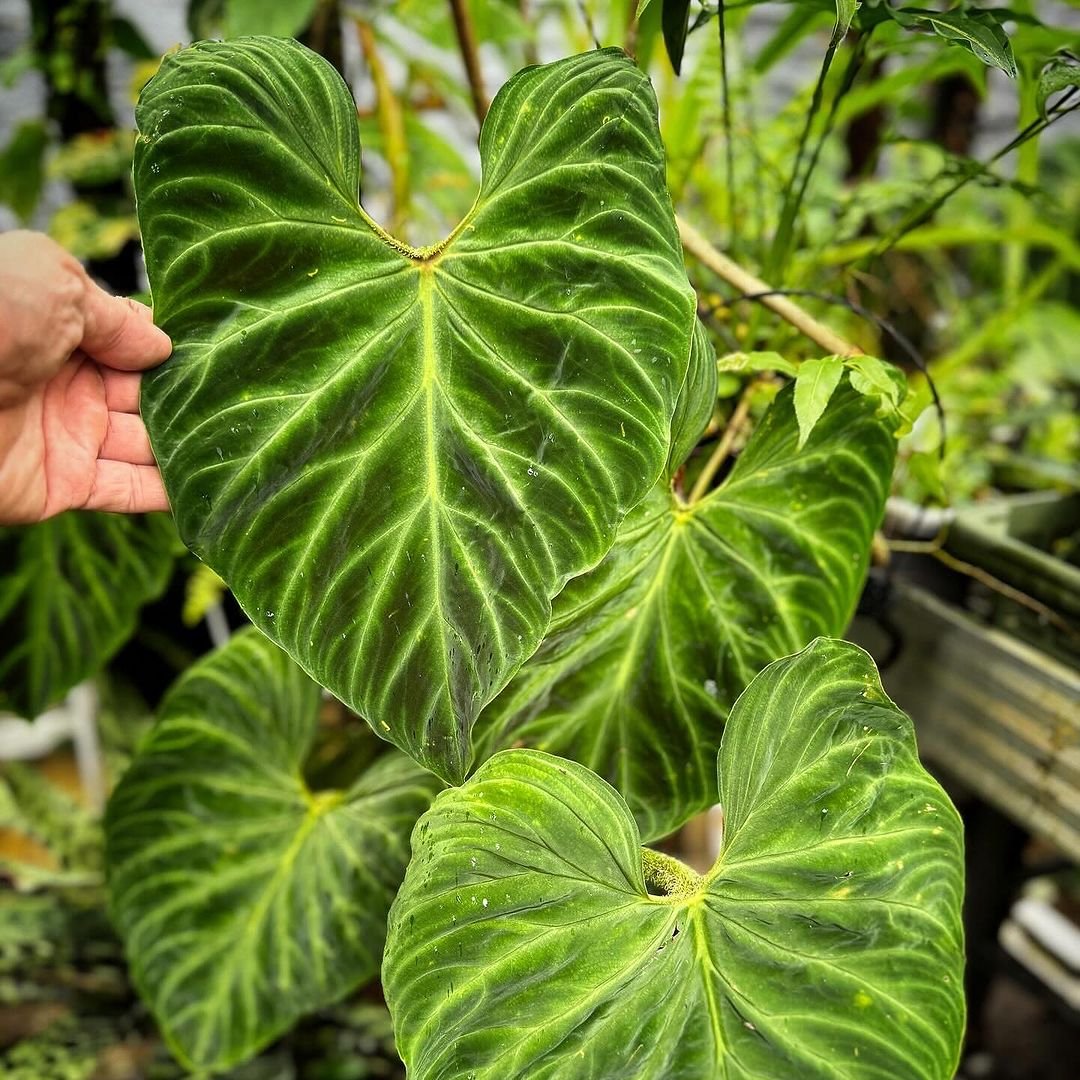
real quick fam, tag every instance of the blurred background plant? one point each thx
(909, 175)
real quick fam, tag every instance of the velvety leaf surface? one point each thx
(245, 900)
(648, 652)
(697, 400)
(396, 457)
(70, 593)
(825, 944)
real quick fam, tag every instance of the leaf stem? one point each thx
(729, 145)
(532, 57)
(699, 248)
(723, 447)
(466, 37)
(792, 195)
(391, 122)
(667, 876)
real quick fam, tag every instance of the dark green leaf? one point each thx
(70, 592)
(825, 942)
(129, 38)
(22, 168)
(978, 31)
(696, 401)
(396, 457)
(647, 653)
(246, 900)
(1061, 73)
(675, 21)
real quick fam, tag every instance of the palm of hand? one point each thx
(70, 357)
(80, 436)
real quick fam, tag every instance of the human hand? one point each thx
(70, 363)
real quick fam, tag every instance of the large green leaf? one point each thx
(648, 652)
(70, 592)
(395, 457)
(825, 943)
(697, 400)
(245, 899)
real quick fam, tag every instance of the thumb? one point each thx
(120, 333)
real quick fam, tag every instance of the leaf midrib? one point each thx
(317, 809)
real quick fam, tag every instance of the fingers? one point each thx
(121, 390)
(126, 440)
(120, 332)
(124, 488)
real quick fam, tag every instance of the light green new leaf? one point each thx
(825, 943)
(395, 457)
(814, 385)
(275, 18)
(757, 361)
(875, 378)
(648, 652)
(245, 900)
(70, 593)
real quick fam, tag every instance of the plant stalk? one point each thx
(700, 249)
(466, 37)
(391, 124)
(723, 447)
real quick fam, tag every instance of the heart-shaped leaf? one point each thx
(394, 456)
(648, 652)
(70, 592)
(245, 899)
(527, 939)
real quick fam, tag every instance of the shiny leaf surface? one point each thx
(70, 593)
(695, 406)
(825, 943)
(246, 900)
(648, 652)
(395, 457)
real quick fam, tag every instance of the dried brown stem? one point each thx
(700, 249)
(466, 37)
(724, 446)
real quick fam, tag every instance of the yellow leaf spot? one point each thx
(863, 1000)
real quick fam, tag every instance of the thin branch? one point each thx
(699, 248)
(923, 213)
(531, 55)
(977, 573)
(466, 37)
(729, 145)
(590, 29)
(391, 124)
(723, 447)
